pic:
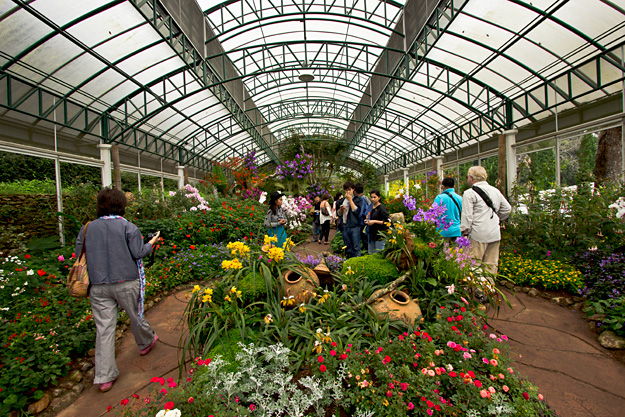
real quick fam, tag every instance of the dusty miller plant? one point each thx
(265, 379)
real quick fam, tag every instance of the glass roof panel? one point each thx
(62, 12)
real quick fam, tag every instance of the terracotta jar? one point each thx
(399, 306)
(397, 218)
(299, 283)
(324, 274)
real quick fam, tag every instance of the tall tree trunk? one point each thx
(609, 165)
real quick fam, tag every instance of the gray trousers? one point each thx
(104, 301)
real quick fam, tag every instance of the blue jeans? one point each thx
(376, 246)
(352, 241)
(315, 230)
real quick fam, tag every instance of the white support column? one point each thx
(386, 184)
(406, 181)
(105, 156)
(439, 167)
(139, 173)
(180, 169)
(510, 158)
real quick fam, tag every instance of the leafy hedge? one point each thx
(548, 274)
(375, 267)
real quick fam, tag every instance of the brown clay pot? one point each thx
(299, 283)
(399, 306)
(324, 274)
(397, 218)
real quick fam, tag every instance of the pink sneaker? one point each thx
(106, 386)
(149, 348)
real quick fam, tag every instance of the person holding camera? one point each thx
(114, 249)
(325, 216)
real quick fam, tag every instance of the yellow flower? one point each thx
(234, 264)
(227, 298)
(196, 288)
(302, 308)
(233, 290)
(287, 301)
(277, 254)
(387, 224)
(239, 294)
(393, 241)
(238, 247)
(288, 244)
(269, 240)
(268, 318)
(207, 298)
(349, 271)
(385, 403)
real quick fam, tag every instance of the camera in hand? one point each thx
(150, 236)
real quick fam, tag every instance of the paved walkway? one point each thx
(135, 371)
(554, 348)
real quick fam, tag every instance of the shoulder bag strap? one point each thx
(455, 202)
(84, 239)
(485, 197)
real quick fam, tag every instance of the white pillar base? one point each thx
(180, 169)
(510, 158)
(105, 156)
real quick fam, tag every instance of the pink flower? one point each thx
(252, 407)
(505, 388)
(320, 359)
(493, 362)
(466, 355)
(61, 258)
(496, 351)
(404, 386)
(333, 353)
(147, 400)
(163, 391)
(492, 390)
(430, 412)
(431, 373)
(190, 400)
(172, 385)
(389, 394)
(484, 393)
(410, 406)
(322, 368)
(485, 361)
(540, 397)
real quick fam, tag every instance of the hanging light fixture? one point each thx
(306, 75)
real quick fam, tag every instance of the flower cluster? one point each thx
(295, 209)
(410, 202)
(193, 194)
(239, 247)
(249, 162)
(434, 215)
(298, 168)
(276, 254)
(315, 190)
(549, 274)
(460, 254)
(233, 264)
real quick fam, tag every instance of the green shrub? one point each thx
(337, 244)
(227, 347)
(375, 267)
(252, 288)
(549, 274)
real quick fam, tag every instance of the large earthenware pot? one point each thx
(398, 305)
(397, 218)
(299, 283)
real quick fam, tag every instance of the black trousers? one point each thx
(325, 230)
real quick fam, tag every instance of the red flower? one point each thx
(190, 400)
(41, 272)
(192, 247)
(478, 384)
(389, 394)
(135, 396)
(27, 256)
(323, 368)
(108, 409)
(387, 359)
(320, 359)
(432, 244)
(333, 353)
(252, 407)
(169, 405)
(526, 396)
(343, 356)
(124, 401)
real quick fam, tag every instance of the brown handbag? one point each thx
(78, 278)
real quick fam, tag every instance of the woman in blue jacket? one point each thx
(453, 203)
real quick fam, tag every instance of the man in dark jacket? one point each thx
(350, 210)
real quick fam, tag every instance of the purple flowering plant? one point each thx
(299, 168)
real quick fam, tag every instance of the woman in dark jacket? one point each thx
(114, 248)
(276, 219)
(376, 221)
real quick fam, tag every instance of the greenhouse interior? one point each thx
(312, 208)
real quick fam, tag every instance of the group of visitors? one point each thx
(476, 215)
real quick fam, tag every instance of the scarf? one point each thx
(139, 267)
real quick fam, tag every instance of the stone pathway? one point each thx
(135, 371)
(553, 347)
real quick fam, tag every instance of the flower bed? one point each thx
(548, 274)
(450, 367)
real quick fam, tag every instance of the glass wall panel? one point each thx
(538, 168)
(491, 164)
(577, 159)
(463, 171)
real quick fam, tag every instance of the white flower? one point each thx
(30, 272)
(451, 288)
(172, 193)
(169, 413)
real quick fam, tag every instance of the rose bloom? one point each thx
(493, 362)
(492, 390)
(496, 351)
(484, 393)
(526, 396)
(431, 373)
(505, 388)
(540, 397)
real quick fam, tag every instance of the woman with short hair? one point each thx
(114, 248)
